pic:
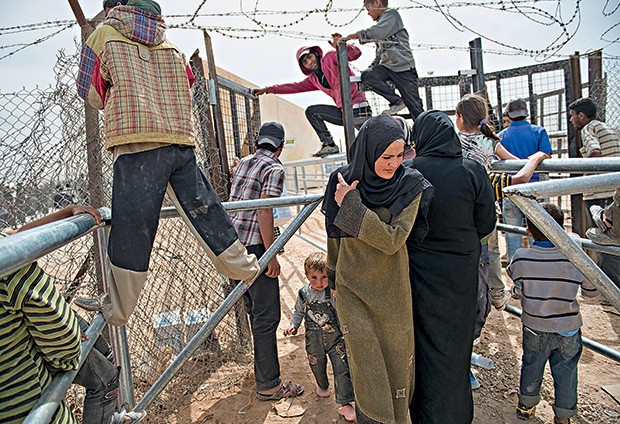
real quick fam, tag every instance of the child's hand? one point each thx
(516, 292)
(290, 331)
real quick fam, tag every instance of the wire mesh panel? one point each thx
(47, 145)
(606, 91)
(241, 116)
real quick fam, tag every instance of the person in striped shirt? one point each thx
(548, 284)
(40, 336)
(598, 140)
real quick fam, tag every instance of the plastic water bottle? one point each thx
(482, 361)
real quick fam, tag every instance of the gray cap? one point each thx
(271, 133)
(517, 108)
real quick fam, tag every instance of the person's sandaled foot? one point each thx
(286, 389)
(557, 420)
(598, 217)
(127, 417)
(348, 412)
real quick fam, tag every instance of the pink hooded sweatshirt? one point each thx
(329, 65)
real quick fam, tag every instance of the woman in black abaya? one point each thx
(443, 270)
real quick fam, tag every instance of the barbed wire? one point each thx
(39, 40)
(529, 9)
(612, 12)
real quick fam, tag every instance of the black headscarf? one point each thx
(434, 135)
(395, 194)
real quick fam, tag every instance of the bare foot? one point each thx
(348, 412)
(322, 393)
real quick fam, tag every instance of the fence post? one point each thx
(574, 142)
(217, 113)
(94, 147)
(596, 84)
(256, 121)
(209, 144)
(345, 95)
(475, 56)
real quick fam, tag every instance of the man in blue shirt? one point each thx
(522, 139)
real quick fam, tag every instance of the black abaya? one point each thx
(444, 272)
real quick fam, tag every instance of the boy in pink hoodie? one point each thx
(321, 72)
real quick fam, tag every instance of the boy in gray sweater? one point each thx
(394, 60)
(547, 284)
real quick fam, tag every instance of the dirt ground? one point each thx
(494, 402)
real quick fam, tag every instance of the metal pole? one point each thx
(345, 95)
(118, 334)
(475, 57)
(221, 312)
(245, 205)
(48, 402)
(595, 346)
(217, 111)
(604, 182)
(560, 238)
(585, 243)
(313, 242)
(25, 247)
(578, 211)
(121, 352)
(574, 165)
(208, 143)
(596, 89)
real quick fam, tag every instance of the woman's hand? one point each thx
(342, 188)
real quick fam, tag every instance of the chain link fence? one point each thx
(51, 156)
(603, 86)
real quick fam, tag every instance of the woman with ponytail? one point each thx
(476, 133)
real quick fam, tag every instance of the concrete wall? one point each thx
(291, 116)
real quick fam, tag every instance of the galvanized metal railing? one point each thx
(525, 195)
(22, 248)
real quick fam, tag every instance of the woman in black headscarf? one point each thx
(370, 207)
(444, 272)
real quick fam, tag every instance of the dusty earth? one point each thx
(494, 401)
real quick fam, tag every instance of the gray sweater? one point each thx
(392, 40)
(549, 286)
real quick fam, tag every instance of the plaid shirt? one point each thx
(261, 174)
(139, 78)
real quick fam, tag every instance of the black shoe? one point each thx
(326, 150)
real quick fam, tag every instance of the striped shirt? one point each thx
(550, 284)
(596, 135)
(258, 175)
(38, 331)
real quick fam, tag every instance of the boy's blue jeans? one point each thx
(563, 354)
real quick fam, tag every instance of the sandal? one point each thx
(524, 413)
(597, 217)
(287, 389)
(127, 417)
(555, 421)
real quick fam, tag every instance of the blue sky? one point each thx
(270, 58)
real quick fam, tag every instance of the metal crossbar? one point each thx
(221, 312)
(44, 239)
(48, 402)
(524, 195)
